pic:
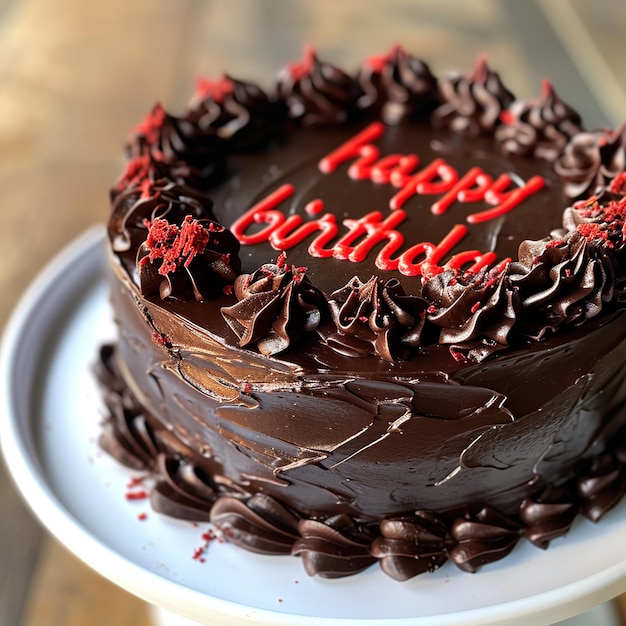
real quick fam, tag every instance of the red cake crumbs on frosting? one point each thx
(214, 89)
(150, 126)
(604, 223)
(618, 184)
(301, 69)
(135, 172)
(161, 339)
(173, 245)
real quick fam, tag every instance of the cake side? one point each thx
(324, 379)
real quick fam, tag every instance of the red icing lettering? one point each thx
(506, 201)
(292, 232)
(394, 167)
(362, 167)
(352, 148)
(432, 254)
(314, 207)
(329, 228)
(262, 212)
(446, 177)
(357, 229)
(473, 185)
(284, 230)
(378, 231)
(430, 172)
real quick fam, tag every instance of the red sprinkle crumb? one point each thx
(280, 599)
(151, 124)
(475, 307)
(459, 357)
(227, 290)
(281, 260)
(135, 481)
(216, 90)
(207, 537)
(161, 339)
(142, 517)
(300, 70)
(594, 232)
(377, 63)
(507, 117)
(136, 170)
(145, 189)
(137, 495)
(198, 554)
(246, 388)
(432, 309)
(618, 184)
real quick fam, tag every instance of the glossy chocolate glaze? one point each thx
(344, 460)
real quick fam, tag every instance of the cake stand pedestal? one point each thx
(50, 413)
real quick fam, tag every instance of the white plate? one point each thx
(49, 424)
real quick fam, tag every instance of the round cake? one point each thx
(371, 317)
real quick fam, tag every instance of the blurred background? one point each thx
(75, 75)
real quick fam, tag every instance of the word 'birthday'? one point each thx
(364, 234)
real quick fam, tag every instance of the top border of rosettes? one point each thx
(161, 209)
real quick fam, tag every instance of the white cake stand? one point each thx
(49, 424)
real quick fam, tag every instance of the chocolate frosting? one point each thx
(276, 306)
(482, 538)
(590, 160)
(317, 93)
(538, 128)
(261, 524)
(334, 548)
(475, 312)
(177, 148)
(399, 85)
(375, 317)
(194, 260)
(472, 104)
(602, 487)
(149, 200)
(484, 406)
(236, 111)
(548, 515)
(561, 282)
(411, 546)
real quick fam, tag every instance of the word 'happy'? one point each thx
(421, 259)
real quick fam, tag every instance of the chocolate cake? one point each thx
(368, 318)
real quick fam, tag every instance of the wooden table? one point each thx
(75, 75)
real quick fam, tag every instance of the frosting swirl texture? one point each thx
(277, 306)
(472, 104)
(540, 128)
(317, 93)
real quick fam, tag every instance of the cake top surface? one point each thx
(382, 214)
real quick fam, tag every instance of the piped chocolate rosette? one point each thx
(176, 255)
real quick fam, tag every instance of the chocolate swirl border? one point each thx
(166, 147)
